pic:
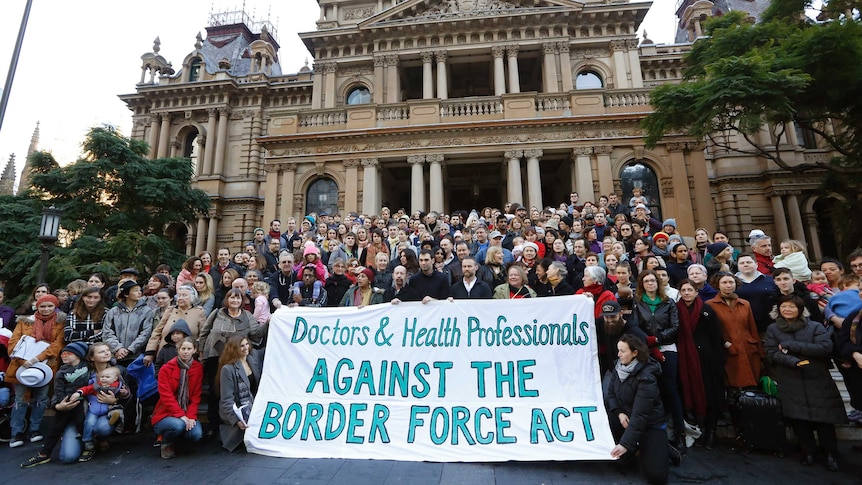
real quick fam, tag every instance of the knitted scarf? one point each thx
(43, 327)
(183, 385)
(690, 376)
(521, 292)
(624, 370)
(596, 289)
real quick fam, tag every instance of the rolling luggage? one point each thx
(761, 423)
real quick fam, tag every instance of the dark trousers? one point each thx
(825, 433)
(670, 391)
(654, 451)
(210, 371)
(61, 420)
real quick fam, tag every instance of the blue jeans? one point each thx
(39, 400)
(70, 445)
(96, 427)
(173, 428)
(5, 396)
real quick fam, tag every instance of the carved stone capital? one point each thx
(330, 67)
(427, 57)
(582, 151)
(440, 56)
(153, 118)
(498, 51)
(434, 158)
(416, 159)
(618, 45)
(534, 153)
(379, 61)
(513, 154)
(392, 60)
(211, 112)
(165, 117)
(675, 146)
(549, 47)
(352, 163)
(289, 167)
(603, 149)
(563, 47)
(631, 43)
(512, 50)
(224, 111)
(370, 162)
(696, 146)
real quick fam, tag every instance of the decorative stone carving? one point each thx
(416, 159)
(434, 158)
(533, 153)
(289, 167)
(563, 47)
(667, 187)
(675, 146)
(467, 8)
(631, 43)
(583, 151)
(427, 57)
(352, 163)
(549, 47)
(379, 61)
(370, 162)
(588, 53)
(498, 51)
(330, 67)
(440, 56)
(358, 13)
(392, 60)
(513, 154)
(512, 50)
(618, 45)
(603, 149)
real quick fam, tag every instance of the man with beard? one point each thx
(400, 290)
(469, 287)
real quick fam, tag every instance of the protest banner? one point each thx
(462, 381)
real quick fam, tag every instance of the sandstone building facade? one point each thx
(451, 104)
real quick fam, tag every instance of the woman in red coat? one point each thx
(176, 413)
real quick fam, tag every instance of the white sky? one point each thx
(77, 57)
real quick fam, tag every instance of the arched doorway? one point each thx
(322, 196)
(637, 174)
(190, 148)
(827, 230)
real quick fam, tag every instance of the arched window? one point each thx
(639, 175)
(359, 95)
(195, 70)
(588, 80)
(190, 151)
(322, 196)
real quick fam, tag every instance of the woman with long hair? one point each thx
(657, 316)
(180, 385)
(156, 283)
(206, 292)
(84, 323)
(206, 260)
(378, 245)
(187, 308)
(223, 286)
(191, 268)
(239, 378)
(702, 240)
(29, 306)
(701, 357)
(492, 272)
(741, 340)
(410, 261)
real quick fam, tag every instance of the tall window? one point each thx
(195, 70)
(190, 151)
(588, 80)
(322, 196)
(359, 95)
(639, 175)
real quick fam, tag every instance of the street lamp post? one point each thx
(48, 232)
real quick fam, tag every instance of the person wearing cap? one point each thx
(111, 292)
(669, 227)
(363, 293)
(610, 326)
(46, 325)
(68, 410)
(495, 239)
(660, 245)
(722, 259)
(128, 325)
(642, 212)
(678, 263)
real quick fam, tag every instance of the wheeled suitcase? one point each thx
(761, 422)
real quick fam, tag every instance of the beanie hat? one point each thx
(310, 248)
(533, 245)
(78, 348)
(48, 298)
(567, 220)
(367, 272)
(162, 279)
(669, 222)
(660, 235)
(716, 248)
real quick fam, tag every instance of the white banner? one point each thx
(470, 380)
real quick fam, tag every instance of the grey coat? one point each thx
(808, 392)
(128, 328)
(220, 327)
(235, 388)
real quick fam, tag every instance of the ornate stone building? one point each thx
(442, 105)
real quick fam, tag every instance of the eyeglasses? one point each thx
(353, 265)
(856, 266)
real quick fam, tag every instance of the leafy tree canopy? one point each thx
(116, 205)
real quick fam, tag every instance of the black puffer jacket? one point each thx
(806, 392)
(663, 324)
(639, 398)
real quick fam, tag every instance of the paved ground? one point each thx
(131, 460)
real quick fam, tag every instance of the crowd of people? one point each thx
(684, 321)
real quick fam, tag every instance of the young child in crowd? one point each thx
(107, 381)
(73, 375)
(260, 293)
(638, 197)
(792, 257)
(819, 288)
(179, 331)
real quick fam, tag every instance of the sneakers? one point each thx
(168, 451)
(36, 460)
(114, 416)
(158, 442)
(17, 441)
(89, 451)
(674, 454)
(36, 437)
(855, 416)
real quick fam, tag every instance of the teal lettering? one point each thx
(415, 421)
(436, 415)
(504, 424)
(321, 375)
(555, 425)
(336, 410)
(347, 381)
(480, 367)
(378, 424)
(539, 423)
(585, 411)
(355, 421)
(460, 416)
(313, 413)
(477, 426)
(270, 426)
(296, 326)
(524, 375)
(294, 411)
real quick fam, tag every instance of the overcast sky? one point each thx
(77, 57)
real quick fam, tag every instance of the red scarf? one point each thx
(43, 327)
(690, 376)
(274, 234)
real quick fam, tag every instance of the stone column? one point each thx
(164, 136)
(212, 235)
(270, 188)
(620, 71)
(329, 84)
(154, 135)
(427, 75)
(287, 191)
(514, 192)
(815, 253)
(351, 190)
(174, 152)
(442, 78)
(499, 70)
(514, 78)
(435, 176)
(393, 88)
(681, 193)
(256, 130)
(221, 141)
(370, 189)
(565, 66)
(209, 148)
(417, 183)
(549, 67)
(796, 227)
(635, 63)
(703, 202)
(534, 178)
(781, 232)
(606, 175)
(584, 173)
(201, 236)
(377, 95)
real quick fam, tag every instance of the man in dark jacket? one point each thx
(429, 283)
(470, 287)
(281, 281)
(400, 290)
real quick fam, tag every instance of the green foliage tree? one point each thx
(116, 205)
(744, 76)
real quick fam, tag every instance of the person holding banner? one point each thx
(239, 377)
(362, 293)
(400, 290)
(634, 398)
